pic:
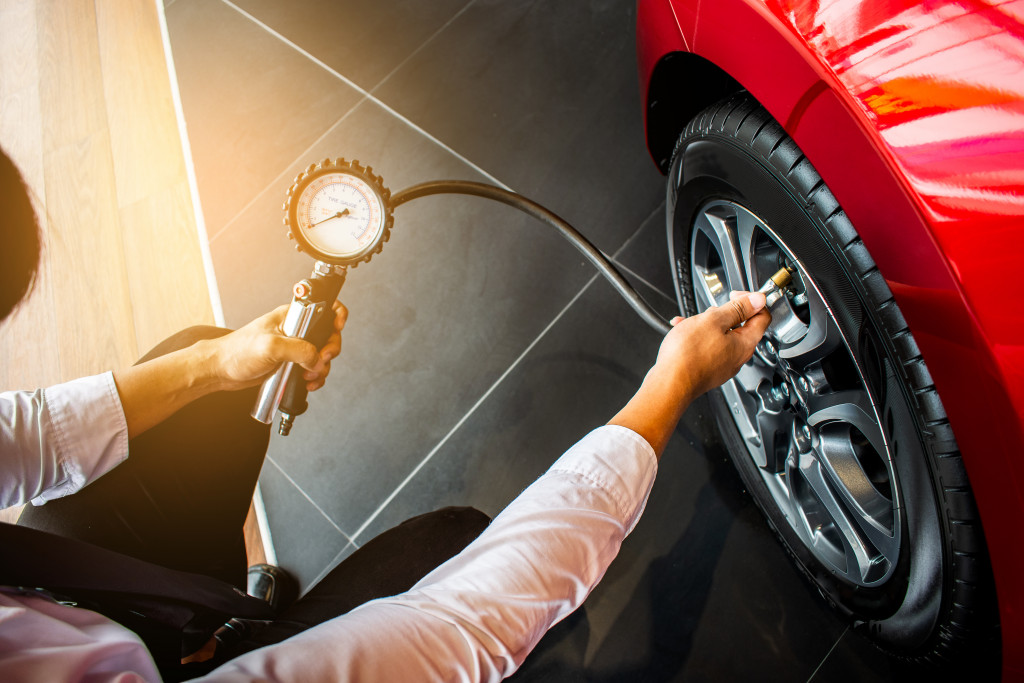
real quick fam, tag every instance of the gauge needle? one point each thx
(340, 214)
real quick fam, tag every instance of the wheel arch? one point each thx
(681, 85)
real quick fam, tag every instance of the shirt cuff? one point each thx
(89, 430)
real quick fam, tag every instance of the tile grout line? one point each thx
(629, 241)
(332, 564)
(487, 393)
(284, 174)
(640, 278)
(190, 171)
(473, 409)
(213, 289)
(333, 126)
(426, 42)
(827, 655)
(636, 233)
(366, 94)
(312, 502)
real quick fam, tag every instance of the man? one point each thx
(161, 458)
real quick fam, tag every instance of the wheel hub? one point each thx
(802, 405)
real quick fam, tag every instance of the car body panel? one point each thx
(913, 113)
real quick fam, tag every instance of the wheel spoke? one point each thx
(822, 335)
(771, 427)
(741, 415)
(751, 375)
(852, 407)
(715, 237)
(870, 510)
(859, 557)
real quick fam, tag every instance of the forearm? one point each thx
(698, 354)
(656, 408)
(153, 391)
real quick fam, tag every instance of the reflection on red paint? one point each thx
(942, 82)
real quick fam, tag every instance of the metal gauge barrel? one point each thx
(338, 212)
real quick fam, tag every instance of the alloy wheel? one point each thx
(802, 405)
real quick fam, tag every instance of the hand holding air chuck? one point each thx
(775, 288)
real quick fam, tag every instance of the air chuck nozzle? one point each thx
(286, 424)
(782, 278)
(775, 288)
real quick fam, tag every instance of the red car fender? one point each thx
(950, 264)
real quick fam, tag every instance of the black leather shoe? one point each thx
(272, 584)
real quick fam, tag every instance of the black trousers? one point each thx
(181, 498)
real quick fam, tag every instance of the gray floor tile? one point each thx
(574, 380)
(542, 95)
(362, 39)
(251, 103)
(306, 542)
(647, 255)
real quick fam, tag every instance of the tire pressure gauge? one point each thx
(338, 213)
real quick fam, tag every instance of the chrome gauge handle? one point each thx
(310, 317)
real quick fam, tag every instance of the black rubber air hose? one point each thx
(528, 206)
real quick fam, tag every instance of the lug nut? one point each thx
(803, 436)
(775, 397)
(780, 394)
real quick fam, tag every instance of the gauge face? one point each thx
(340, 216)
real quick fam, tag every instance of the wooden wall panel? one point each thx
(168, 288)
(86, 253)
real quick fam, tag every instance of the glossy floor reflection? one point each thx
(480, 345)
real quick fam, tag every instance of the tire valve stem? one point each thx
(775, 288)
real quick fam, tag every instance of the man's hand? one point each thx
(252, 353)
(153, 391)
(698, 354)
(706, 350)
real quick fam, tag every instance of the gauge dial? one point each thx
(337, 212)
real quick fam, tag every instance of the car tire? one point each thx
(835, 426)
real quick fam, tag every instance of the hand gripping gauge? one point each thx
(338, 213)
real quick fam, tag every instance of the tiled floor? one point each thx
(479, 345)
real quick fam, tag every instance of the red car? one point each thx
(876, 149)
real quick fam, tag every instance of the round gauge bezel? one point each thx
(308, 178)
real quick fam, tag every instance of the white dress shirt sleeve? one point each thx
(54, 441)
(476, 617)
